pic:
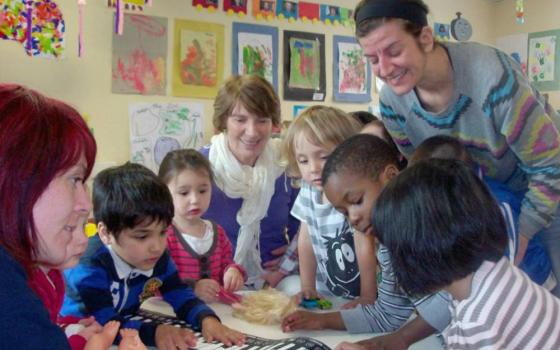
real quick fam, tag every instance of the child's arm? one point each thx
(407, 335)
(364, 246)
(307, 264)
(232, 275)
(288, 263)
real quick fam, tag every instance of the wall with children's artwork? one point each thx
(540, 22)
(117, 111)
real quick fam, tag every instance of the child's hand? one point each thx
(207, 289)
(212, 329)
(233, 279)
(352, 346)
(172, 338)
(306, 293)
(302, 320)
(273, 277)
(358, 301)
(91, 327)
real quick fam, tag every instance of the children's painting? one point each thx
(198, 59)
(297, 109)
(140, 56)
(37, 24)
(156, 129)
(516, 46)
(441, 31)
(351, 72)
(255, 51)
(544, 60)
(304, 66)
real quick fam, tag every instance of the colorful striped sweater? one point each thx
(193, 266)
(95, 287)
(502, 120)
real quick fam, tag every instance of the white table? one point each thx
(329, 337)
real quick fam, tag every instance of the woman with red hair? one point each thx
(46, 154)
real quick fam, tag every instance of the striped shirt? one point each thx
(505, 310)
(193, 266)
(393, 307)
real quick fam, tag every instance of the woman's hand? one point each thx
(272, 265)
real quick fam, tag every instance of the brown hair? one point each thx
(183, 159)
(253, 92)
(368, 25)
(322, 126)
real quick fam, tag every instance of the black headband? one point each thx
(409, 10)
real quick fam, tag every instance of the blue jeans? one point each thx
(551, 241)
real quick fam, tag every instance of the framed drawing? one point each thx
(304, 66)
(544, 60)
(255, 51)
(140, 56)
(198, 59)
(351, 71)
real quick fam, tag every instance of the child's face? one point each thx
(60, 214)
(354, 196)
(310, 159)
(141, 246)
(191, 191)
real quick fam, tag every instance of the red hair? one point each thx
(40, 137)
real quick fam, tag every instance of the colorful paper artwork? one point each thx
(264, 8)
(544, 60)
(304, 66)
(205, 3)
(255, 51)
(156, 129)
(516, 46)
(140, 56)
(351, 73)
(198, 58)
(287, 9)
(441, 32)
(235, 6)
(330, 14)
(46, 37)
(346, 16)
(309, 11)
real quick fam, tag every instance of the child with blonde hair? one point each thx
(334, 260)
(199, 248)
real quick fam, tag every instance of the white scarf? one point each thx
(256, 186)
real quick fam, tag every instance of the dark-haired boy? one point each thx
(127, 262)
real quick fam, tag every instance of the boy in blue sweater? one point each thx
(127, 262)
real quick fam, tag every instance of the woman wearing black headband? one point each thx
(475, 93)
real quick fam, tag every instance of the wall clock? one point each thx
(461, 29)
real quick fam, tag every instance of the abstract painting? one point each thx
(544, 59)
(156, 129)
(198, 59)
(140, 56)
(255, 51)
(351, 71)
(37, 24)
(304, 66)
